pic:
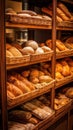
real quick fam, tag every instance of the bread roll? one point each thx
(9, 54)
(69, 92)
(66, 70)
(13, 89)
(59, 67)
(45, 78)
(34, 80)
(39, 50)
(34, 73)
(25, 73)
(15, 52)
(46, 49)
(59, 75)
(33, 120)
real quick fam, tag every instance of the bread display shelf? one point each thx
(15, 18)
(63, 54)
(63, 108)
(65, 24)
(47, 120)
(17, 60)
(39, 57)
(11, 25)
(64, 81)
(28, 96)
(11, 63)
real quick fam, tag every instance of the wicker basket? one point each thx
(64, 81)
(17, 60)
(64, 24)
(65, 53)
(30, 95)
(63, 108)
(40, 57)
(15, 18)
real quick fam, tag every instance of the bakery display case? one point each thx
(36, 69)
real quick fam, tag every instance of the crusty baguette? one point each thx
(9, 54)
(10, 95)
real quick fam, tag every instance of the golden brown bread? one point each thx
(59, 75)
(45, 78)
(9, 54)
(15, 52)
(8, 46)
(13, 89)
(64, 9)
(22, 86)
(34, 73)
(33, 120)
(62, 15)
(60, 45)
(59, 67)
(10, 95)
(25, 81)
(20, 116)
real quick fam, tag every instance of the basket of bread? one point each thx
(64, 71)
(14, 55)
(27, 17)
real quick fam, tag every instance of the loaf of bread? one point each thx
(13, 89)
(10, 95)
(19, 116)
(38, 112)
(39, 50)
(34, 73)
(64, 9)
(62, 15)
(22, 86)
(69, 92)
(27, 50)
(46, 49)
(58, 75)
(60, 45)
(9, 54)
(31, 43)
(25, 81)
(15, 52)
(44, 100)
(33, 120)
(34, 80)
(59, 67)
(19, 126)
(25, 73)
(45, 78)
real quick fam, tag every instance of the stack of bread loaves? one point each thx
(63, 13)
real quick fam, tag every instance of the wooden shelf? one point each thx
(56, 118)
(12, 25)
(21, 26)
(68, 1)
(64, 81)
(63, 54)
(29, 96)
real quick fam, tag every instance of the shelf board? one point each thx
(29, 96)
(63, 54)
(67, 1)
(9, 67)
(12, 25)
(64, 81)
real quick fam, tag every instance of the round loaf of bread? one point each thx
(32, 44)
(27, 50)
(39, 50)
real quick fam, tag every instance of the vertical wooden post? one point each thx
(3, 68)
(54, 48)
(68, 121)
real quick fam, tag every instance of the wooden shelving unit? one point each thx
(7, 105)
